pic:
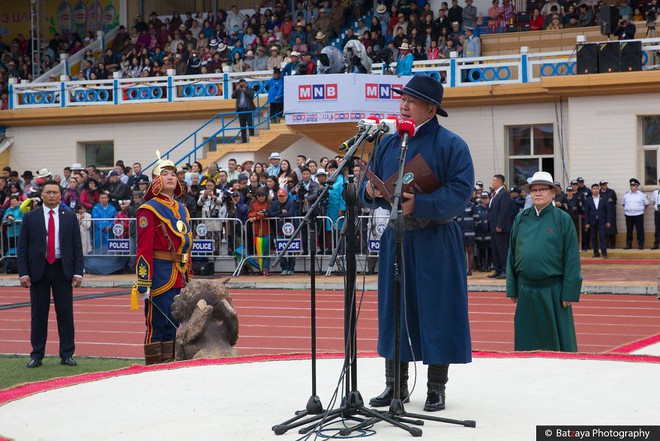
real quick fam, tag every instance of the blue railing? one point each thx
(228, 123)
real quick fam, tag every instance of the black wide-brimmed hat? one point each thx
(426, 89)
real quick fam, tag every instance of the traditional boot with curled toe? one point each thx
(385, 399)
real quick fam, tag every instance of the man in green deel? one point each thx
(543, 272)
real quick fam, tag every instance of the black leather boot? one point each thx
(435, 395)
(386, 397)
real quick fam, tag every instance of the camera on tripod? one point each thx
(651, 16)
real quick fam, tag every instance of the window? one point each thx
(531, 149)
(650, 145)
(101, 154)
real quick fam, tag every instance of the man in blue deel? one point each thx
(434, 283)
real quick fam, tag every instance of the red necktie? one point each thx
(50, 248)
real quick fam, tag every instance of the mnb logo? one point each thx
(375, 91)
(309, 92)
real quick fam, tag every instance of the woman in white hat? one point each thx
(543, 271)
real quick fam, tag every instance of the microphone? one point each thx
(381, 129)
(368, 124)
(392, 123)
(406, 130)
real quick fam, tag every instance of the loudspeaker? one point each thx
(609, 20)
(631, 56)
(609, 57)
(587, 58)
(522, 18)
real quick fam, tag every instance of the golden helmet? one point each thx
(163, 164)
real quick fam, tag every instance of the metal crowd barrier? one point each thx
(224, 239)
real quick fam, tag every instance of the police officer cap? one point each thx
(480, 184)
(574, 182)
(634, 181)
(485, 194)
(143, 179)
(558, 185)
(603, 182)
(569, 188)
(580, 179)
(515, 190)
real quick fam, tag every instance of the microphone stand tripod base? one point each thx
(314, 407)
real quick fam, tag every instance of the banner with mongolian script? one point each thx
(310, 99)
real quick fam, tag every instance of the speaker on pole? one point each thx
(609, 57)
(631, 56)
(609, 19)
(587, 58)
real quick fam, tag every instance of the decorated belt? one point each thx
(171, 257)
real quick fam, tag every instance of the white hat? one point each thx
(381, 9)
(274, 155)
(249, 54)
(295, 54)
(222, 47)
(404, 46)
(43, 173)
(214, 42)
(541, 177)
(77, 166)
(321, 171)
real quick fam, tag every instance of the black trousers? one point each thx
(636, 222)
(656, 220)
(597, 234)
(500, 245)
(276, 110)
(246, 120)
(54, 280)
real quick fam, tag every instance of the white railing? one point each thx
(453, 72)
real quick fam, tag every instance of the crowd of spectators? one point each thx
(208, 42)
(260, 195)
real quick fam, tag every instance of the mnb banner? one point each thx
(339, 97)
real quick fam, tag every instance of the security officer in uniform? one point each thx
(517, 201)
(583, 193)
(560, 199)
(163, 264)
(634, 203)
(575, 207)
(466, 222)
(482, 232)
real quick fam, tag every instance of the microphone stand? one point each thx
(396, 411)
(352, 403)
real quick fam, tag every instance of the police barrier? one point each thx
(215, 239)
(11, 228)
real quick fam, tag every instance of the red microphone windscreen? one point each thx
(373, 118)
(407, 126)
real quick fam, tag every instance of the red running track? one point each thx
(278, 322)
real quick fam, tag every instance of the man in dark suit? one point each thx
(50, 257)
(500, 219)
(597, 217)
(244, 103)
